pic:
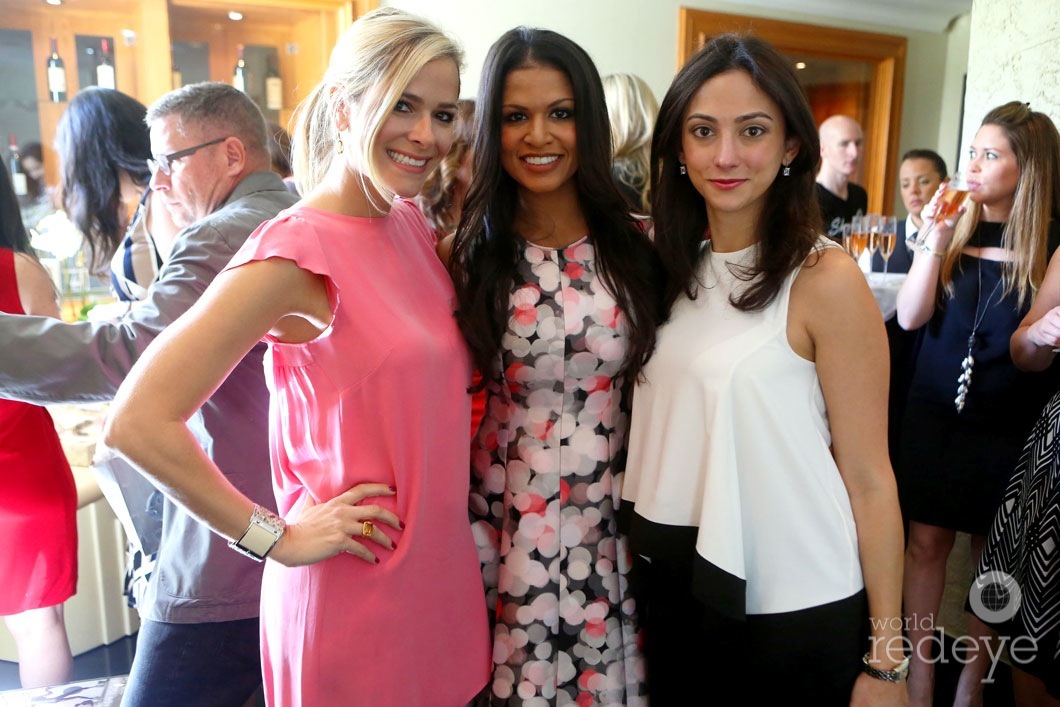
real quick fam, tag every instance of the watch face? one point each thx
(258, 539)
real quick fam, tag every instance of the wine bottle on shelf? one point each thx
(177, 76)
(18, 177)
(273, 88)
(105, 67)
(239, 77)
(56, 74)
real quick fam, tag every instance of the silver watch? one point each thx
(261, 535)
(897, 674)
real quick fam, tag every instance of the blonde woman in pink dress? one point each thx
(372, 595)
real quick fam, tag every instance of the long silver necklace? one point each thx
(964, 382)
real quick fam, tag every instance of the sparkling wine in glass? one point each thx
(859, 237)
(951, 200)
(873, 229)
(887, 236)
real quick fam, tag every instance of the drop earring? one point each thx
(682, 169)
(787, 170)
(338, 145)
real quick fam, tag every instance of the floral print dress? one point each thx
(546, 482)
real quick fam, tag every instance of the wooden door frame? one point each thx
(885, 54)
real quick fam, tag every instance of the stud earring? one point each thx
(682, 169)
(338, 145)
(787, 170)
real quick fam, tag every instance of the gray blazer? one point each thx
(197, 578)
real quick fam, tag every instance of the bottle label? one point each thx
(274, 93)
(238, 82)
(18, 180)
(56, 79)
(105, 76)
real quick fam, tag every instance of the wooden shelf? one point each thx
(303, 32)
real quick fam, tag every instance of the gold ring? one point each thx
(367, 528)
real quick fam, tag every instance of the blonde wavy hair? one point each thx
(370, 67)
(632, 110)
(1036, 144)
(437, 199)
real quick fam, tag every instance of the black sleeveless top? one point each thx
(1010, 398)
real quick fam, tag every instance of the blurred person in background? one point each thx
(210, 172)
(442, 198)
(632, 109)
(840, 199)
(1022, 539)
(103, 146)
(970, 409)
(280, 154)
(40, 199)
(920, 172)
(38, 500)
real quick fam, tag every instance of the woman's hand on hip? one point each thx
(339, 525)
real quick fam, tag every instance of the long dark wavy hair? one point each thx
(101, 135)
(486, 249)
(789, 224)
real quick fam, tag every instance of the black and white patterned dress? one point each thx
(1024, 543)
(545, 486)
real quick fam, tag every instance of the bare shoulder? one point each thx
(829, 278)
(830, 299)
(35, 287)
(445, 248)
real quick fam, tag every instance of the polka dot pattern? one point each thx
(546, 482)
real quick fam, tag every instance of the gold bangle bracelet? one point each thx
(925, 248)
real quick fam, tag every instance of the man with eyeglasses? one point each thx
(198, 642)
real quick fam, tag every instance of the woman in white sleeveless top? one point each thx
(762, 506)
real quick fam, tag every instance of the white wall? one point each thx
(1024, 67)
(640, 37)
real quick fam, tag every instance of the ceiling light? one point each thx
(235, 16)
(800, 65)
(54, 2)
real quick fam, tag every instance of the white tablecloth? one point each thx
(885, 290)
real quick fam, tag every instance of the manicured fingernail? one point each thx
(401, 525)
(392, 489)
(377, 560)
(393, 545)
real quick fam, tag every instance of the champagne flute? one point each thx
(951, 200)
(873, 229)
(857, 236)
(848, 237)
(888, 235)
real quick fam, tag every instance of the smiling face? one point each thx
(419, 131)
(539, 144)
(993, 172)
(918, 179)
(733, 145)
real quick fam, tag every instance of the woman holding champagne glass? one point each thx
(969, 410)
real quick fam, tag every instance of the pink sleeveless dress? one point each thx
(380, 396)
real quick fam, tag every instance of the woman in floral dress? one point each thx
(556, 289)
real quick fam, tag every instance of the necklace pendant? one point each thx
(964, 381)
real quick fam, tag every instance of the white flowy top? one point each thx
(730, 435)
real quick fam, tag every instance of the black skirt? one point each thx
(953, 467)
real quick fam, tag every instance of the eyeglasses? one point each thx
(164, 163)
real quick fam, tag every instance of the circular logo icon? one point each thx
(995, 596)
